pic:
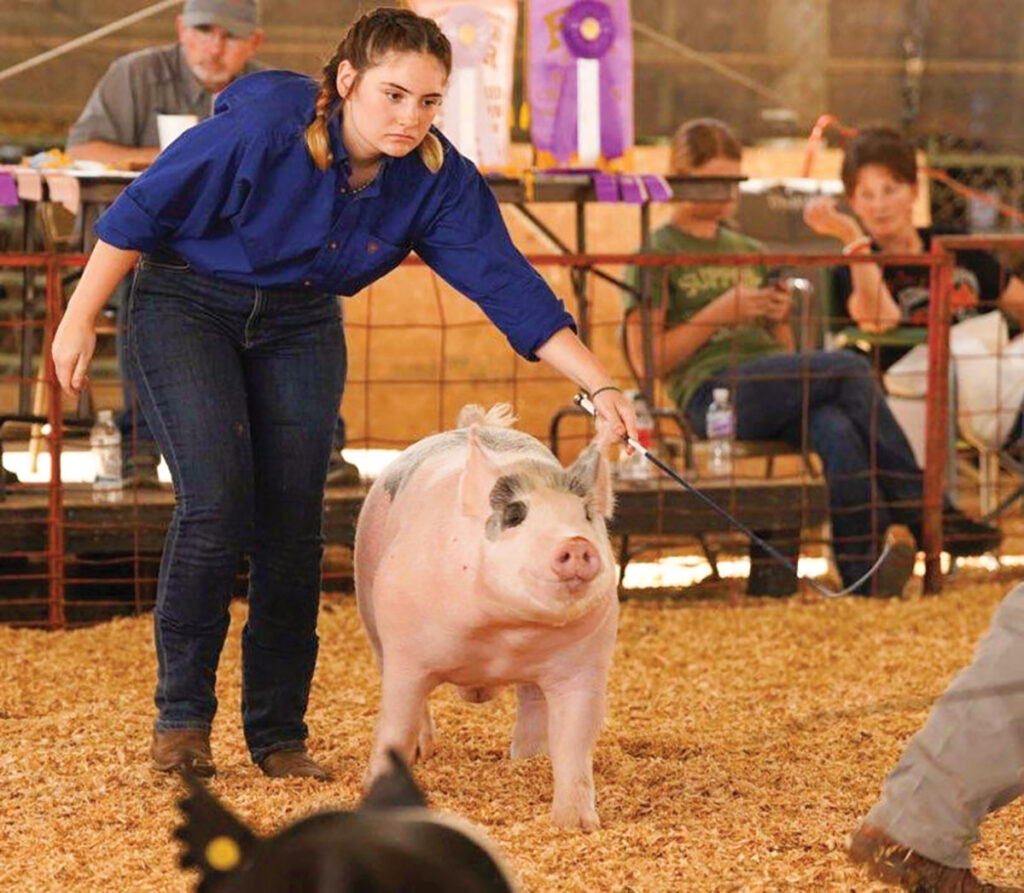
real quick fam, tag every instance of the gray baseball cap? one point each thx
(240, 18)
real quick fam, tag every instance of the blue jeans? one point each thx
(138, 446)
(241, 387)
(873, 478)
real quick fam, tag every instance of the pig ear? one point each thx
(206, 821)
(394, 789)
(478, 478)
(590, 477)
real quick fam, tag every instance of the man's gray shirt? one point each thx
(135, 89)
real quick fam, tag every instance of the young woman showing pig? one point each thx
(244, 230)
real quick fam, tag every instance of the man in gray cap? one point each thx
(217, 40)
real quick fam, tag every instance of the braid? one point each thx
(317, 141)
(373, 36)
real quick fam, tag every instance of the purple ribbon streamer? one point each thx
(606, 187)
(8, 190)
(658, 189)
(632, 189)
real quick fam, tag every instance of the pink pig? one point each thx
(481, 562)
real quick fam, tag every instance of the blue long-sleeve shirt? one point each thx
(239, 198)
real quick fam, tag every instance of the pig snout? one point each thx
(576, 559)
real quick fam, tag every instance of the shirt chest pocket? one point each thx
(364, 259)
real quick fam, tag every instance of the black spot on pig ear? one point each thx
(215, 841)
(513, 514)
(396, 788)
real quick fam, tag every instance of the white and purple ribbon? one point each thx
(587, 120)
(466, 121)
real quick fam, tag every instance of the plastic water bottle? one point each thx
(636, 467)
(105, 440)
(721, 429)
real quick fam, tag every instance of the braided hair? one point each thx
(373, 36)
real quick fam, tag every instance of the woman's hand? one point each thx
(744, 305)
(615, 413)
(73, 347)
(780, 302)
(822, 215)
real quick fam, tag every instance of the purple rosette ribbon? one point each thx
(588, 29)
(469, 30)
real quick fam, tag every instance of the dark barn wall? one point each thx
(848, 57)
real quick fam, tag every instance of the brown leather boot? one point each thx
(894, 863)
(180, 749)
(293, 764)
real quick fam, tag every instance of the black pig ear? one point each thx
(397, 788)
(215, 841)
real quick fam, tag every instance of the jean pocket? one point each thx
(162, 261)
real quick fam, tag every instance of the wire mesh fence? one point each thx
(418, 351)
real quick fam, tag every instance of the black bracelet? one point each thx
(607, 387)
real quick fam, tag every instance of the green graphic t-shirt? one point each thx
(690, 289)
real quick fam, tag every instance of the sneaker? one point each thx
(342, 473)
(962, 536)
(895, 571)
(890, 861)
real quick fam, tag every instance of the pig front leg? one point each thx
(403, 718)
(575, 715)
(530, 736)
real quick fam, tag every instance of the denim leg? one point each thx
(191, 385)
(138, 446)
(859, 519)
(295, 372)
(771, 397)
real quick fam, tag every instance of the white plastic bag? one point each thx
(989, 378)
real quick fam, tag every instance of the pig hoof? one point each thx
(523, 750)
(424, 747)
(575, 819)
(475, 694)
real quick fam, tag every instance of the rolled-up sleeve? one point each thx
(186, 193)
(467, 243)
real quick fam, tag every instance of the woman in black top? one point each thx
(880, 175)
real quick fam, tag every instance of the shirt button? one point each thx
(372, 247)
(333, 246)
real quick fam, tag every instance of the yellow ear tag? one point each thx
(223, 853)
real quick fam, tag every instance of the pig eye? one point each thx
(587, 513)
(513, 515)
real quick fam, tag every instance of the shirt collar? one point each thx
(340, 153)
(197, 93)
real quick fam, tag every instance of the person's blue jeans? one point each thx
(241, 387)
(873, 478)
(138, 446)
